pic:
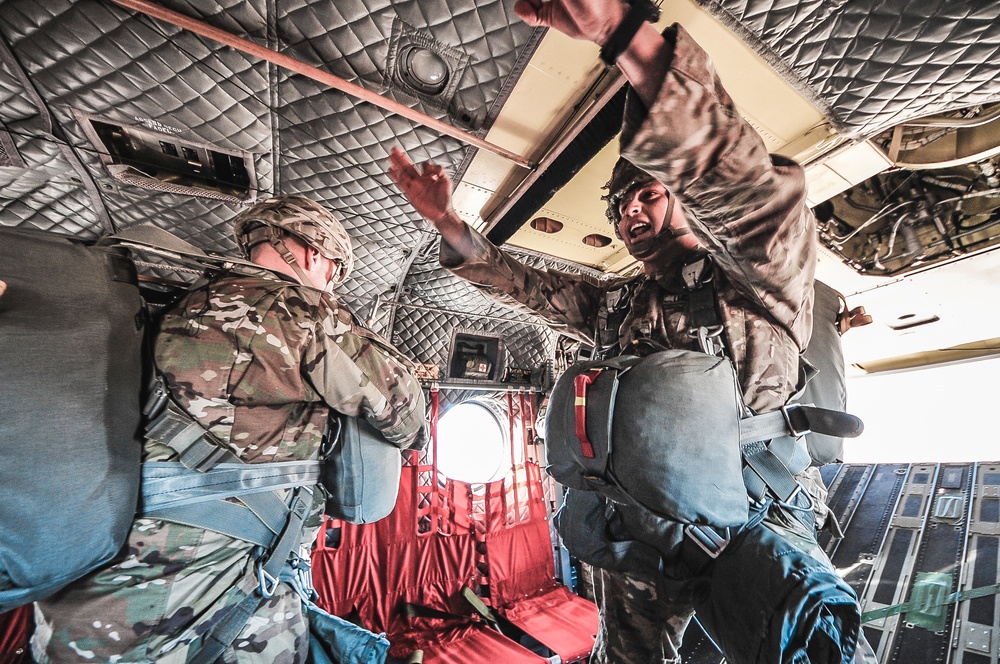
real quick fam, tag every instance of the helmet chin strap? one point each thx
(282, 248)
(335, 278)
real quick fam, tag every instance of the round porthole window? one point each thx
(473, 444)
(424, 70)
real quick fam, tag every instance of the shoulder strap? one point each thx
(611, 315)
(705, 323)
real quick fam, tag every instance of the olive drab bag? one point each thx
(71, 376)
(361, 472)
(828, 387)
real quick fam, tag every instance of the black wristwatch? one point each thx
(639, 11)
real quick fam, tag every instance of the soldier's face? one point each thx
(642, 212)
(643, 217)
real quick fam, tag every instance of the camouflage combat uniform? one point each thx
(748, 209)
(258, 361)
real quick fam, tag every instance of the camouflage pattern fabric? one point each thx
(748, 209)
(259, 362)
(640, 621)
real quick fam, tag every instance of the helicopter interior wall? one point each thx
(826, 49)
(304, 137)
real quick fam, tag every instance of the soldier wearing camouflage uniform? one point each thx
(706, 186)
(258, 360)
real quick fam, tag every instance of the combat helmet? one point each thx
(307, 220)
(624, 178)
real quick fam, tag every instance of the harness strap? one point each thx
(764, 468)
(167, 484)
(697, 278)
(193, 491)
(230, 519)
(797, 420)
(704, 321)
(196, 447)
(709, 542)
(269, 568)
(770, 469)
(269, 573)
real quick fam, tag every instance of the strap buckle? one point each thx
(696, 274)
(157, 399)
(708, 540)
(790, 502)
(709, 339)
(787, 411)
(301, 577)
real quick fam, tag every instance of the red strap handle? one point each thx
(580, 408)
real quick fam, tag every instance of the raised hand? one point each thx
(429, 192)
(593, 20)
(644, 62)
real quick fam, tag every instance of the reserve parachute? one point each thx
(669, 474)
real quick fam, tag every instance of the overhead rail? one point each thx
(280, 59)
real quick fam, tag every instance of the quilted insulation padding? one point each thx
(435, 304)
(96, 58)
(873, 64)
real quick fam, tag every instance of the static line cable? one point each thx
(216, 34)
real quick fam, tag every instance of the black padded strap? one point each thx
(798, 419)
(196, 447)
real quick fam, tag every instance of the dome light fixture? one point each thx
(424, 70)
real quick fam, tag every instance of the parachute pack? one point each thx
(682, 481)
(828, 387)
(71, 344)
(73, 356)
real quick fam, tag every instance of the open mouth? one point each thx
(639, 229)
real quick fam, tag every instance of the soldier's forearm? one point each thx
(455, 232)
(645, 62)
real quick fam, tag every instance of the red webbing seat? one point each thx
(563, 622)
(15, 630)
(523, 588)
(476, 643)
(376, 569)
